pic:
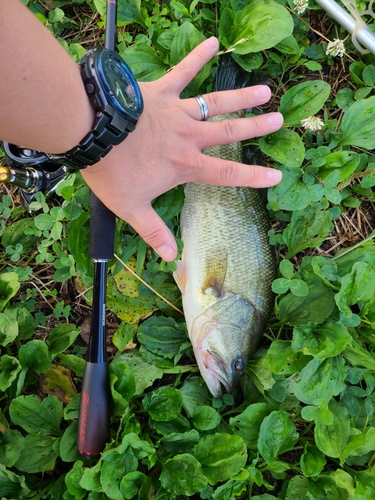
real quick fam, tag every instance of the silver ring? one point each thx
(203, 107)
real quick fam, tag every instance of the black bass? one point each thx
(227, 266)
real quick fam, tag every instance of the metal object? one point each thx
(203, 107)
(32, 171)
(363, 35)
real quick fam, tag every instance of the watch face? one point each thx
(121, 85)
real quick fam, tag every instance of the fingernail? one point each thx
(275, 119)
(262, 92)
(274, 175)
(212, 43)
(167, 252)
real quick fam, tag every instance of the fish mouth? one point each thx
(218, 371)
(217, 374)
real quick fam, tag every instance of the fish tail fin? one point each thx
(231, 76)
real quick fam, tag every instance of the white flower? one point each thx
(301, 6)
(335, 48)
(312, 123)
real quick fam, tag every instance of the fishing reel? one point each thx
(32, 171)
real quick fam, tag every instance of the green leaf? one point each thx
(123, 386)
(68, 444)
(297, 489)
(286, 268)
(221, 455)
(186, 39)
(307, 229)
(327, 340)
(164, 403)
(280, 285)
(9, 286)
(56, 15)
(144, 62)
(25, 321)
(34, 354)
(298, 287)
(321, 379)
(303, 100)
(11, 445)
(259, 372)
(123, 335)
(162, 336)
(332, 439)
(277, 435)
(282, 360)
(336, 485)
(206, 418)
(284, 146)
(61, 337)
(312, 461)
(130, 484)
(247, 423)
(259, 26)
(358, 123)
(182, 475)
(315, 307)
(291, 193)
(11, 485)
(44, 221)
(365, 486)
(78, 242)
(194, 395)
(72, 480)
(8, 329)
(9, 369)
(14, 233)
(145, 374)
(344, 161)
(37, 454)
(176, 442)
(356, 287)
(37, 416)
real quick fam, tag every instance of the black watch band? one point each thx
(110, 127)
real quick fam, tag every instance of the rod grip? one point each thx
(94, 411)
(102, 230)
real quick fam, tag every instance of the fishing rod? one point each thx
(94, 412)
(117, 101)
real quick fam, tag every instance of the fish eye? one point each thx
(238, 364)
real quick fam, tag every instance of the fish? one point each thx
(227, 264)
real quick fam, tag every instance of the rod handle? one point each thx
(102, 230)
(94, 411)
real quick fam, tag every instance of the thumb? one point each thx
(154, 231)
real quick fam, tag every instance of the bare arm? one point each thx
(43, 106)
(43, 103)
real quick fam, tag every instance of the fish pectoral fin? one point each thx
(216, 270)
(180, 275)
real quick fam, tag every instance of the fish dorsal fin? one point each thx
(180, 275)
(216, 270)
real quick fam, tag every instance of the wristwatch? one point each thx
(117, 101)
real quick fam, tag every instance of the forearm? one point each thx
(43, 103)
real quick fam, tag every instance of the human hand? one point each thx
(166, 149)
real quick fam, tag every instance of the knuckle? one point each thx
(229, 172)
(154, 237)
(229, 131)
(213, 103)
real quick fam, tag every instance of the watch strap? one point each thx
(109, 129)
